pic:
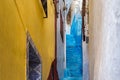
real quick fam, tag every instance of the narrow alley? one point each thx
(59, 39)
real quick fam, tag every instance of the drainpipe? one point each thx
(83, 22)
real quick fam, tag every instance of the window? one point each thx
(44, 4)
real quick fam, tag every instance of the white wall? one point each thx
(104, 45)
(60, 44)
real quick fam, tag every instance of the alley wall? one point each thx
(104, 45)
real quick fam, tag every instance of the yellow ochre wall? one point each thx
(17, 17)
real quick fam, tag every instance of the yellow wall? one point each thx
(16, 18)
